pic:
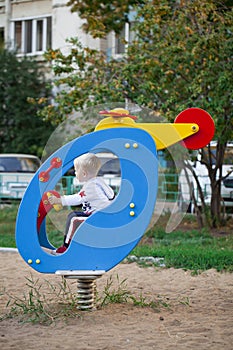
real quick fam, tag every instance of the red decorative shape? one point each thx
(45, 207)
(206, 127)
(82, 194)
(117, 115)
(55, 163)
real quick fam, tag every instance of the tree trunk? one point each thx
(215, 205)
(202, 215)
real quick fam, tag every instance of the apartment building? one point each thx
(33, 26)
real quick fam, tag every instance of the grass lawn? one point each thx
(186, 247)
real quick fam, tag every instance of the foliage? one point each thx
(84, 81)
(181, 58)
(21, 131)
(101, 17)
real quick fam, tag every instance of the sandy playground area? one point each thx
(199, 316)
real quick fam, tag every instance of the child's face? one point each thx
(80, 174)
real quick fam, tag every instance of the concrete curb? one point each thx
(4, 249)
(131, 258)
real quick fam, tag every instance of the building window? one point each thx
(32, 36)
(18, 34)
(49, 33)
(28, 37)
(120, 41)
(1, 37)
(39, 36)
(118, 44)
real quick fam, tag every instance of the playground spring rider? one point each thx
(109, 235)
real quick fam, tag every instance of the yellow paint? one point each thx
(57, 207)
(164, 134)
(127, 145)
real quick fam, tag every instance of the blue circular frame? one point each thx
(109, 235)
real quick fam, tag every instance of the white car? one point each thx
(16, 171)
(201, 171)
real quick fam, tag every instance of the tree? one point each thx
(21, 130)
(181, 58)
(101, 17)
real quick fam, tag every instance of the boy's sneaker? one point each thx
(61, 249)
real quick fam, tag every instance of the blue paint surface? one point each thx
(107, 236)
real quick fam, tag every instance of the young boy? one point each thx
(94, 195)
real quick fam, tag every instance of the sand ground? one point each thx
(196, 312)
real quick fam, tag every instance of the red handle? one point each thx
(45, 207)
(45, 175)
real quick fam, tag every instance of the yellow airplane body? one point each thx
(164, 134)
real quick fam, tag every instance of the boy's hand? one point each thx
(54, 200)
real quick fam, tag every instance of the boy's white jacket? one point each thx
(94, 195)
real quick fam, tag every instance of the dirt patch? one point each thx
(195, 312)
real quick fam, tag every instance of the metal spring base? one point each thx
(86, 294)
(86, 286)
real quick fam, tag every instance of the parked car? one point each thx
(201, 171)
(16, 171)
(110, 171)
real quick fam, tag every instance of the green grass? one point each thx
(7, 226)
(8, 215)
(36, 306)
(45, 303)
(194, 249)
(120, 293)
